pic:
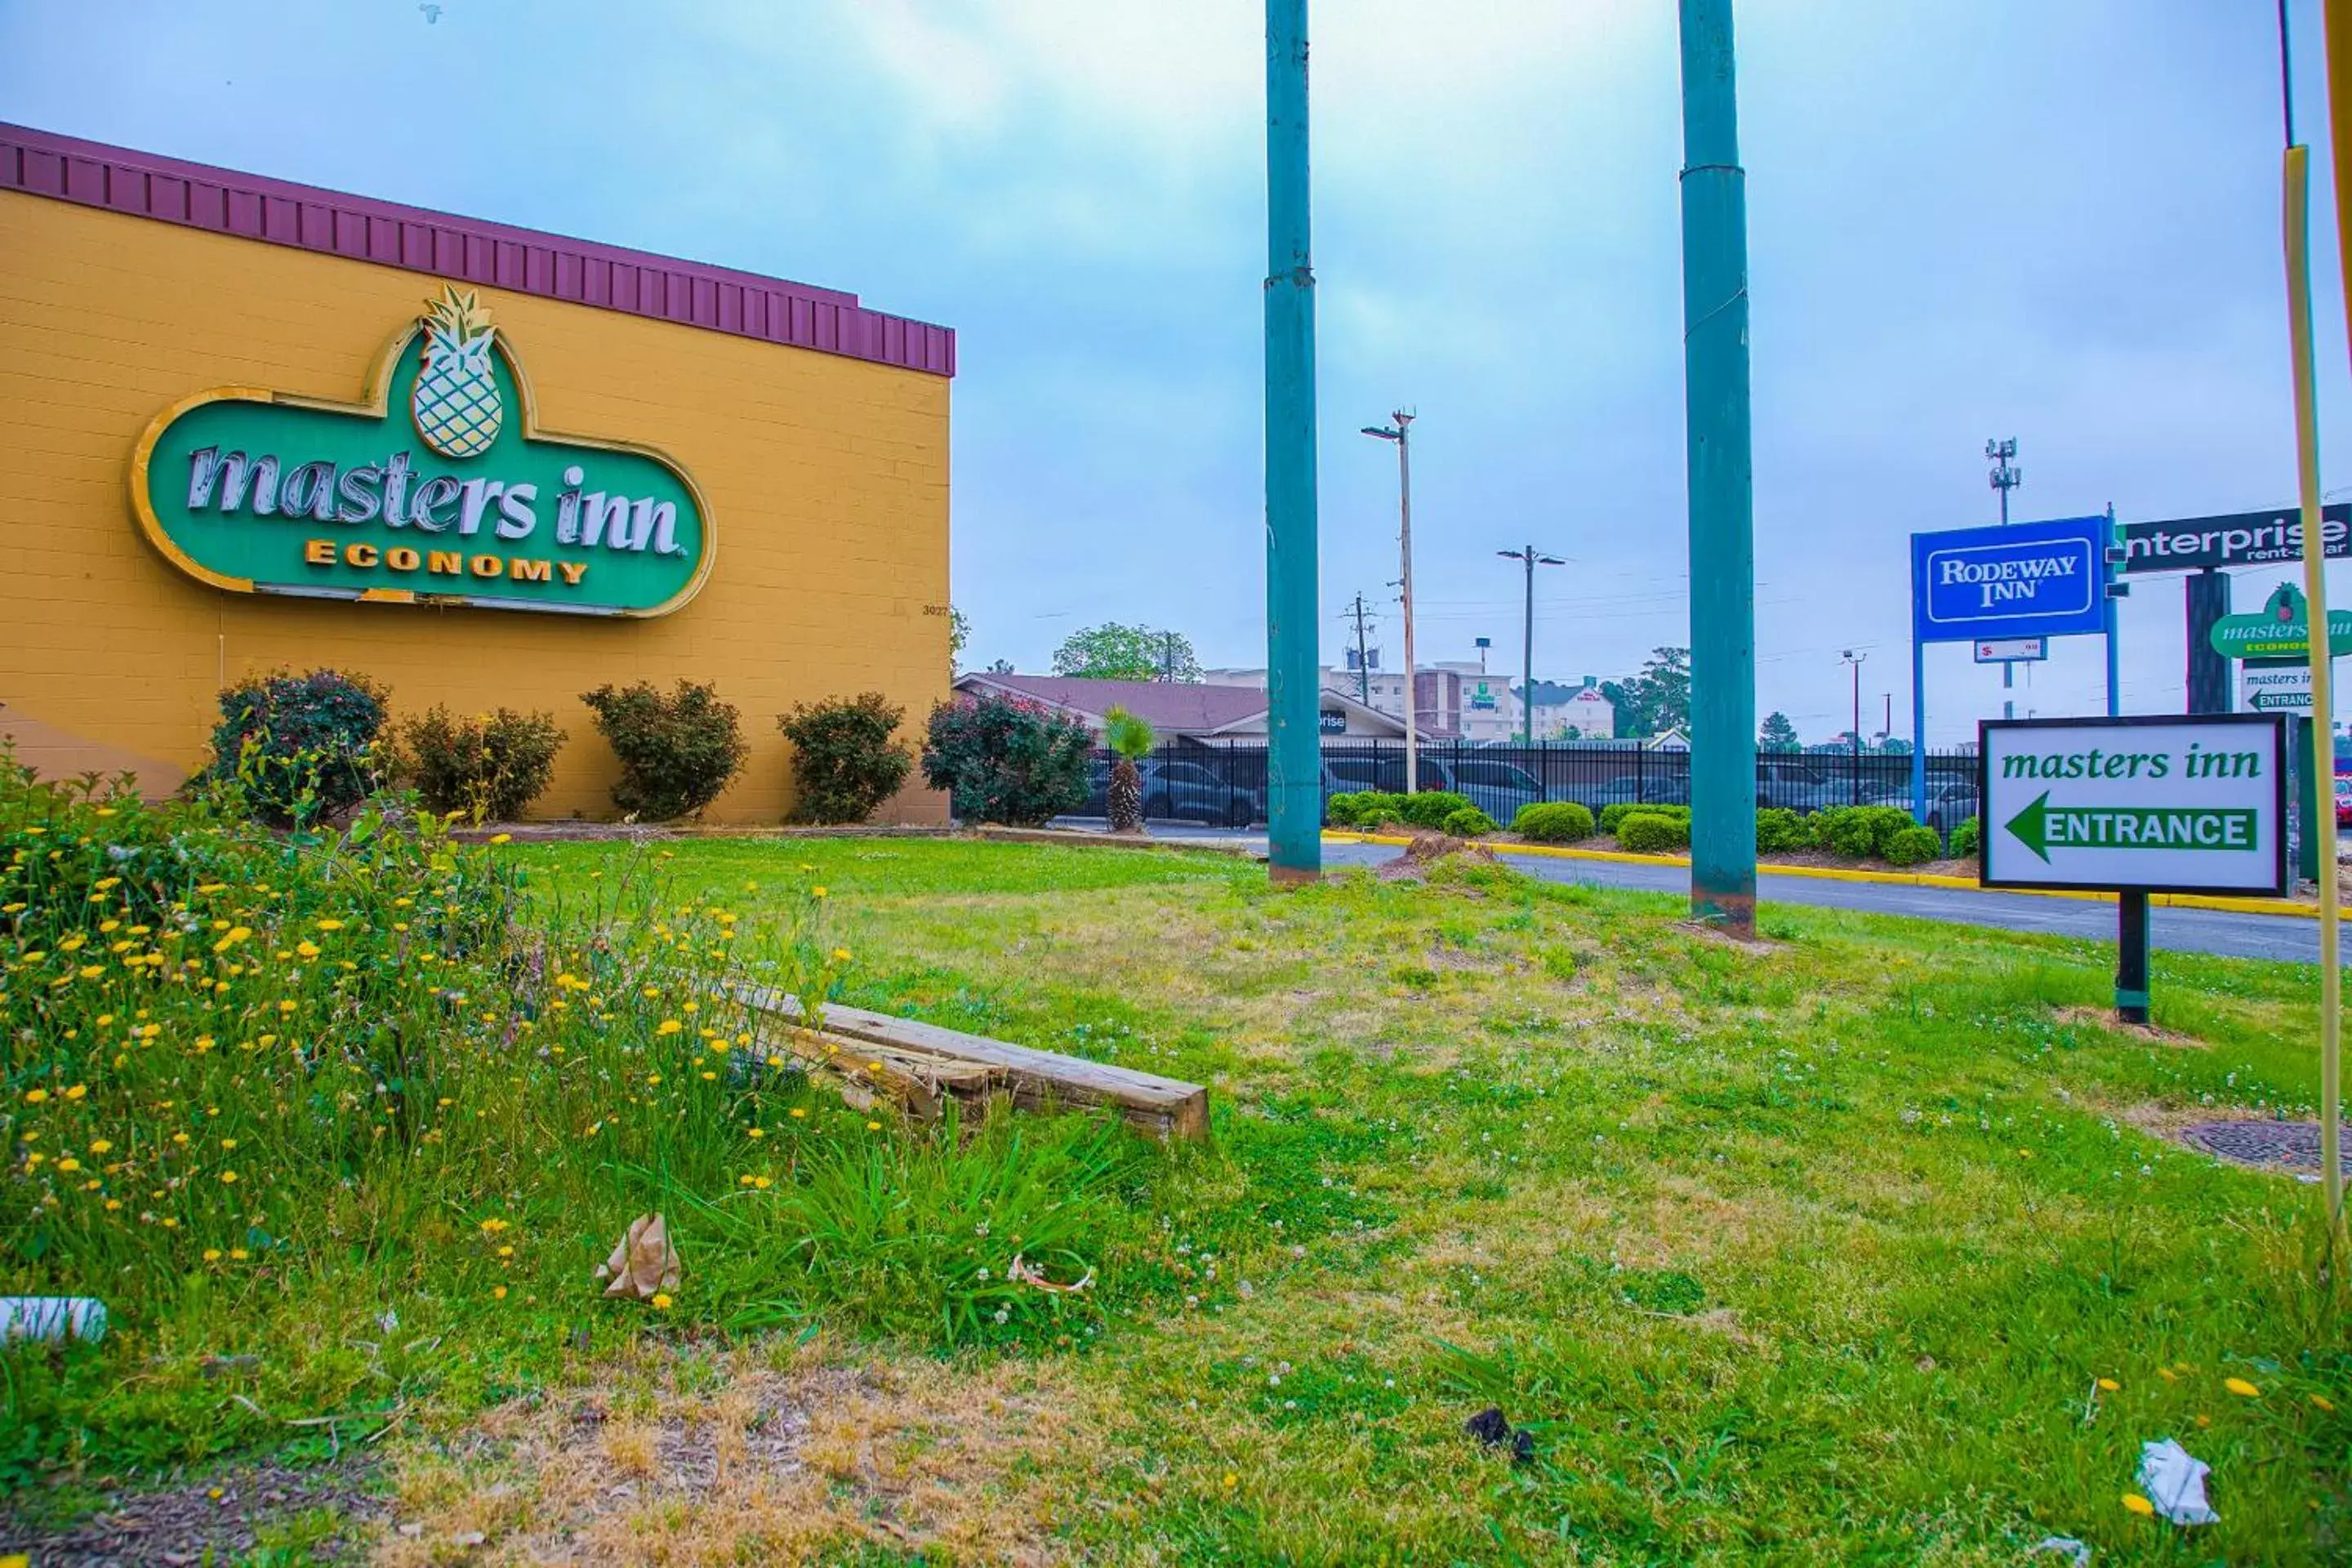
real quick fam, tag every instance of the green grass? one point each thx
(1813, 1255)
(1809, 1255)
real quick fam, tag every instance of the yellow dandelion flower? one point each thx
(2241, 1387)
(228, 1177)
(661, 1301)
(2108, 1385)
(874, 1127)
(212, 1254)
(501, 838)
(70, 1163)
(2321, 1402)
(744, 1181)
(35, 1096)
(329, 925)
(761, 1182)
(77, 1091)
(238, 1255)
(816, 892)
(2137, 1504)
(757, 1132)
(498, 1291)
(799, 1111)
(668, 1027)
(841, 955)
(101, 1145)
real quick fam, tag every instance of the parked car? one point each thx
(1633, 789)
(1175, 791)
(1496, 788)
(2343, 801)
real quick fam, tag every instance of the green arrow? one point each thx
(2031, 826)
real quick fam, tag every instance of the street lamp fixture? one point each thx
(1399, 432)
(1529, 558)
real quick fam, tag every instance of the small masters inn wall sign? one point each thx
(438, 488)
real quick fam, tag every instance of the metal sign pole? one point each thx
(1293, 747)
(2131, 957)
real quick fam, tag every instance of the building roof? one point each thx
(466, 250)
(1174, 708)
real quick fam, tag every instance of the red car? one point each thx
(2344, 800)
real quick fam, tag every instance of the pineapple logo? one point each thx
(456, 404)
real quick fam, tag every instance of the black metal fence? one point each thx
(1223, 783)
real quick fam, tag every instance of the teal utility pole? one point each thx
(1722, 487)
(1294, 746)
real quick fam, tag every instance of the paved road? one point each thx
(2179, 931)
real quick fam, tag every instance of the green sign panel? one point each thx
(2282, 629)
(2040, 826)
(438, 488)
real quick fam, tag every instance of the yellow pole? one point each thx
(2321, 821)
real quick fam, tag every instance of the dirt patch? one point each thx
(219, 1518)
(2104, 1019)
(1756, 944)
(674, 1460)
(1426, 850)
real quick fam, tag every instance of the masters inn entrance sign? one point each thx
(438, 488)
(2134, 806)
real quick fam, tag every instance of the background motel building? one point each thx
(508, 468)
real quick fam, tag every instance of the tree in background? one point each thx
(1115, 652)
(959, 633)
(1657, 699)
(1130, 738)
(1777, 734)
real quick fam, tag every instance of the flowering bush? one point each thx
(262, 1093)
(677, 752)
(488, 767)
(1002, 759)
(292, 749)
(847, 760)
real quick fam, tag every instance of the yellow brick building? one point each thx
(811, 431)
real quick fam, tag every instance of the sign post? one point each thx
(2134, 806)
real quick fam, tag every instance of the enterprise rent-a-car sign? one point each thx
(2173, 805)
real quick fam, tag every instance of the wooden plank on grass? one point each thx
(1167, 1106)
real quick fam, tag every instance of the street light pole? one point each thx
(1855, 659)
(2005, 476)
(1402, 434)
(1529, 558)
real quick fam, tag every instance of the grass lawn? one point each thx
(1805, 1255)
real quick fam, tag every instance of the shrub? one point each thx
(1130, 738)
(1004, 759)
(1340, 807)
(1914, 845)
(1648, 833)
(1779, 830)
(1467, 823)
(1430, 808)
(845, 761)
(1859, 832)
(1967, 837)
(677, 752)
(1612, 815)
(1558, 822)
(488, 767)
(291, 749)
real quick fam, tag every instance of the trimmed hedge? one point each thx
(1914, 845)
(1859, 832)
(1779, 830)
(1467, 823)
(1558, 822)
(1650, 833)
(1612, 815)
(1967, 839)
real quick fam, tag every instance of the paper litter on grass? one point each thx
(2175, 1483)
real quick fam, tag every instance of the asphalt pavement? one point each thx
(2229, 935)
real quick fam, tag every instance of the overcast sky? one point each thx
(2051, 219)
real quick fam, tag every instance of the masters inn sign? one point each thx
(438, 488)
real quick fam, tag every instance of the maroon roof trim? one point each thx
(466, 250)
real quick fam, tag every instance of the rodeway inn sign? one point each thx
(262, 491)
(2031, 579)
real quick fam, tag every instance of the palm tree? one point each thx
(1132, 740)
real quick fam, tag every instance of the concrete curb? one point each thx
(2285, 907)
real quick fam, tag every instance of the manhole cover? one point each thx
(2277, 1145)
